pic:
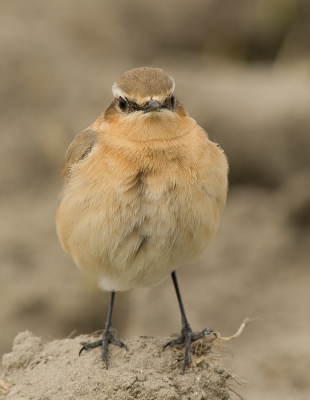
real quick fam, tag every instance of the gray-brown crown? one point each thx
(142, 83)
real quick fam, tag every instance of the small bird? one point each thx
(143, 191)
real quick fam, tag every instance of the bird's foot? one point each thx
(188, 337)
(107, 338)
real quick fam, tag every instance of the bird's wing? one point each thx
(79, 148)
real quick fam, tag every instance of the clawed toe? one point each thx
(108, 338)
(188, 337)
(91, 345)
(119, 343)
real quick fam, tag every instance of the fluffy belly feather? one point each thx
(135, 230)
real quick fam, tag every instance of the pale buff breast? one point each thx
(134, 213)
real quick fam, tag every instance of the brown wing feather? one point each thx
(79, 148)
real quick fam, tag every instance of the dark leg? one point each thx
(107, 337)
(187, 335)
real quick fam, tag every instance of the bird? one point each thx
(143, 191)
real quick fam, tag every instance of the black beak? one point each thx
(151, 105)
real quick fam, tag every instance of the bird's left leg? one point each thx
(107, 336)
(187, 335)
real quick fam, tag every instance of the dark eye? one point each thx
(172, 100)
(122, 103)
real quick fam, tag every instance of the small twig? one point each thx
(96, 333)
(237, 394)
(71, 334)
(240, 330)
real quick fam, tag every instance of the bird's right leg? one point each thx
(107, 336)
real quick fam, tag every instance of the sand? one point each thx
(41, 370)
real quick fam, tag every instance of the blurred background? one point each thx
(242, 70)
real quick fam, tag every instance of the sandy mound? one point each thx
(37, 369)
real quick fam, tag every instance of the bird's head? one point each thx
(144, 105)
(144, 90)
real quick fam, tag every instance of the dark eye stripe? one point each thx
(129, 106)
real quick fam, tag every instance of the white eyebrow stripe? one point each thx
(173, 84)
(117, 92)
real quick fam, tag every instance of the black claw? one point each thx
(91, 345)
(119, 343)
(173, 342)
(188, 337)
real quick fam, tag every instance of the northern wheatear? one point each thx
(144, 188)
